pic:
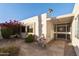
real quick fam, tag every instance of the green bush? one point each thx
(6, 32)
(30, 38)
(12, 50)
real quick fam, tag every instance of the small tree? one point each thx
(10, 28)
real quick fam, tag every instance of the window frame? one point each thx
(29, 28)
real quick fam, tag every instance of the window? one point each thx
(59, 36)
(62, 36)
(23, 28)
(61, 29)
(68, 28)
(30, 29)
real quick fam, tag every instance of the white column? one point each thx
(44, 24)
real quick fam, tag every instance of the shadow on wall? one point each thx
(40, 25)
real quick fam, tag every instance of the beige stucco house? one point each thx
(64, 27)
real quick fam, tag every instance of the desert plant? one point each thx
(11, 50)
(6, 32)
(30, 38)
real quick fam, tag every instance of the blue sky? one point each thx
(21, 11)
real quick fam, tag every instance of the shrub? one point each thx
(6, 32)
(11, 50)
(30, 38)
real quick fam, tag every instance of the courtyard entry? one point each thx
(62, 31)
(62, 27)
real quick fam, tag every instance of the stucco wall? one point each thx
(44, 23)
(75, 40)
(39, 23)
(50, 30)
(34, 21)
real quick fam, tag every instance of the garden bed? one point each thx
(9, 51)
